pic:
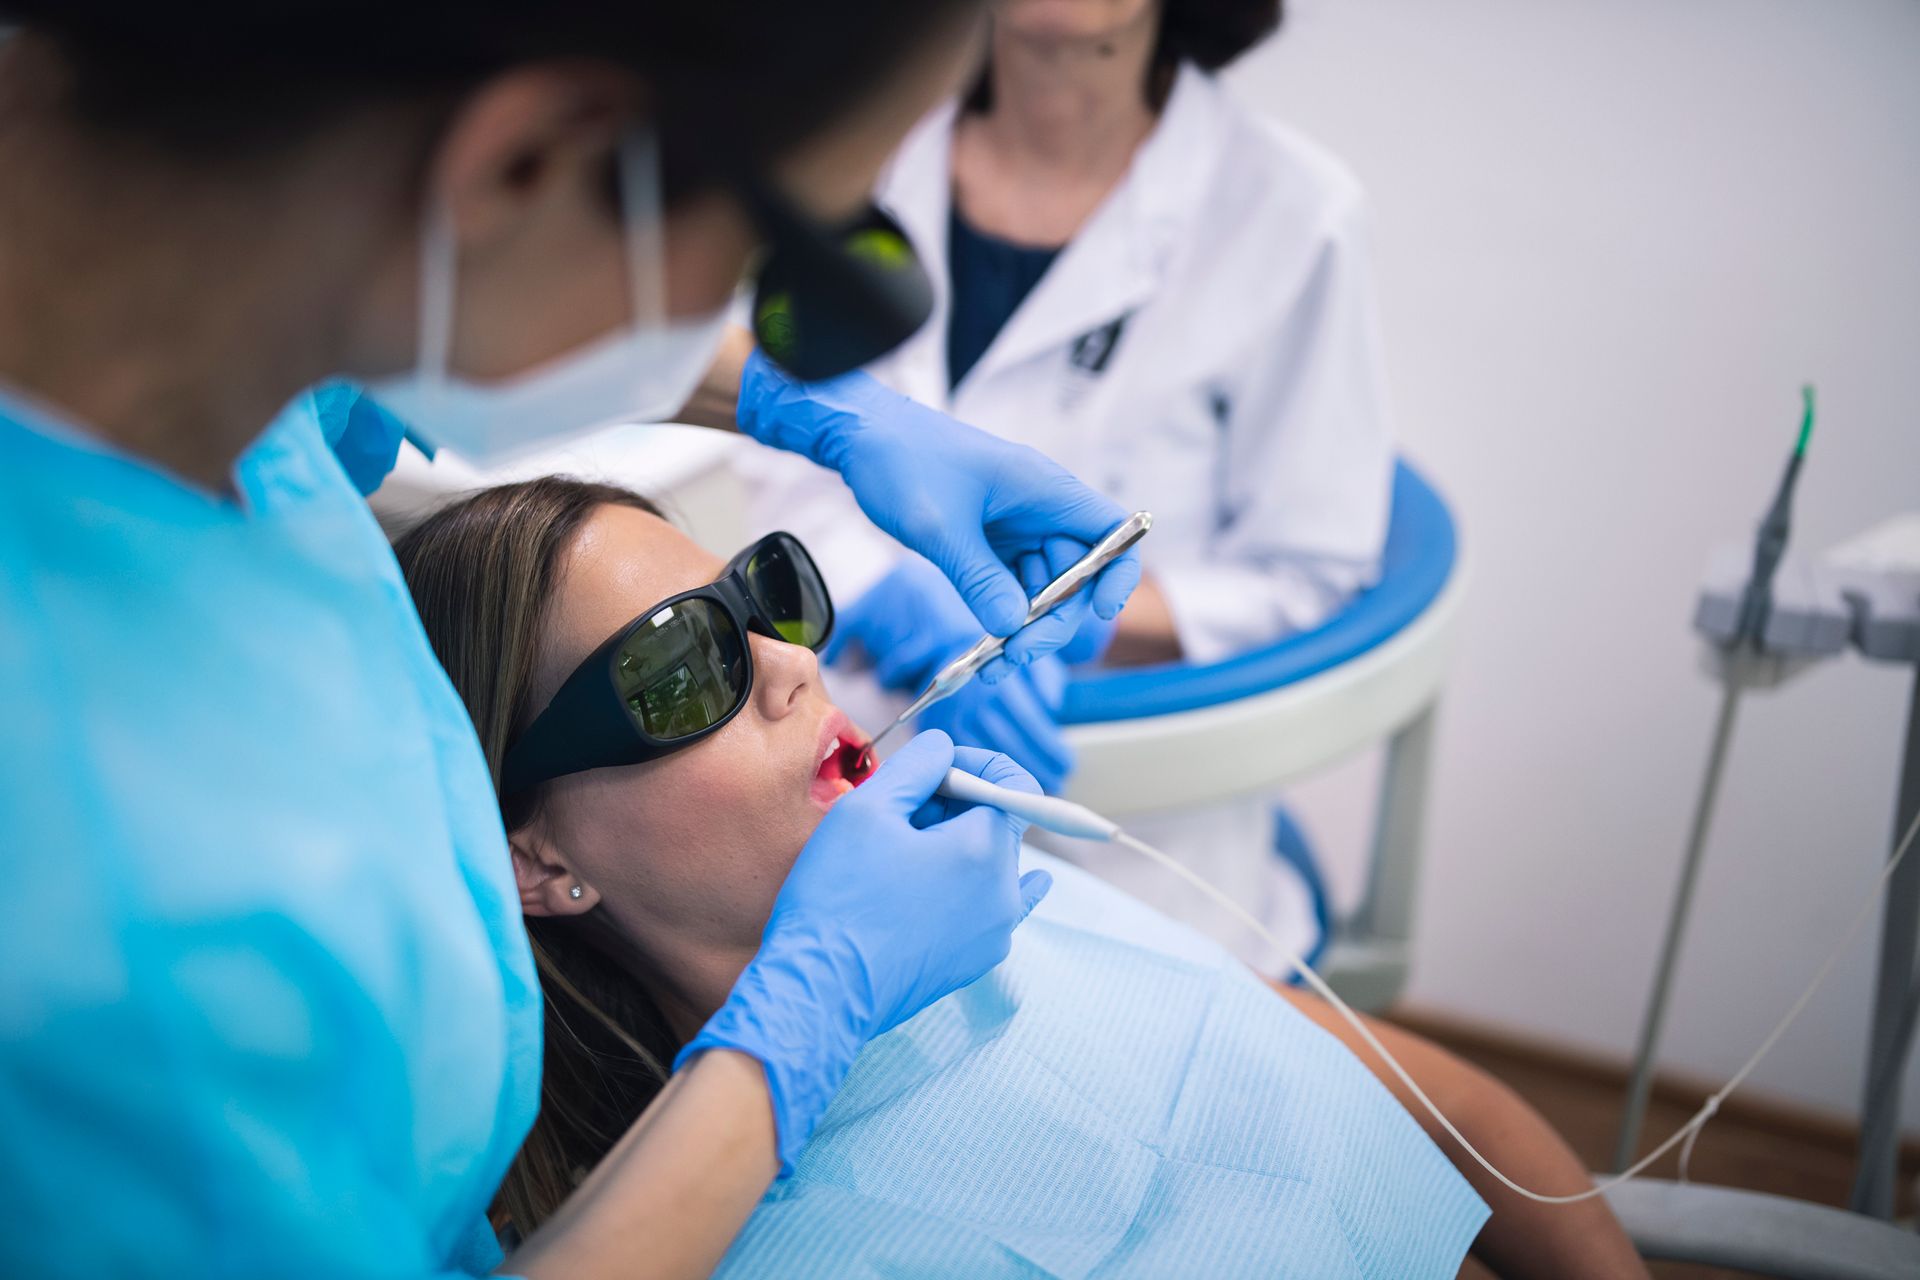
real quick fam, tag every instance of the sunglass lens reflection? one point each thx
(682, 670)
(788, 589)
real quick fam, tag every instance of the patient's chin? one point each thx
(793, 839)
(808, 825)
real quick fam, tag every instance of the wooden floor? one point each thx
(1759, 1146)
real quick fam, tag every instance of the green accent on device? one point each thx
(881, 246)
(1770, 540)
(833, 296)
(773, 325)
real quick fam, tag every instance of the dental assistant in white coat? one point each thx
(1174, 298)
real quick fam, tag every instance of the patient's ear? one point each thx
(548, 886)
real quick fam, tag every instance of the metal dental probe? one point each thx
(955, 674)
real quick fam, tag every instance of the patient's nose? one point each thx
(783, 675)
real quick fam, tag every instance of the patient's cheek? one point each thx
(730, 803)
(707, 792)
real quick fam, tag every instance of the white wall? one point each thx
(1615, 236)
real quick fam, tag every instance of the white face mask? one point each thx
(641, 373)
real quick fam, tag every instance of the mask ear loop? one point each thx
(643, 215)
(438, 265)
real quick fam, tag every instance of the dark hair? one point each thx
(483, 573)
(730, 85)
(1207, 33)
(1212, 33)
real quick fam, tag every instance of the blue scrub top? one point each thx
(267, 1007)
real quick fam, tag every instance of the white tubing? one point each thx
(1071, 819)
(1064, 816)
(1684, 1133)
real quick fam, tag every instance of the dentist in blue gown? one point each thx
(268, 1008)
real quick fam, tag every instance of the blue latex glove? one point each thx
(912, 622)
(970, 502)
(900, 897)
(1090, 643)
(907, 626)
(1095, 634)
(365, 437)
(1014, 717)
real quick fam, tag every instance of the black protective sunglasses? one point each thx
(832, 298)
(677, 672)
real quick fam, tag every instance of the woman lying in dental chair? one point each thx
(1119, 1097)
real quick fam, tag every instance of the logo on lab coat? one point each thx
(1093, 349)
(1087, 358)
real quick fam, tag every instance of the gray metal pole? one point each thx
(1641, 1084)
(1874, 1177)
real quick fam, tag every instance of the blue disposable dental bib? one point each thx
(1119, 1098)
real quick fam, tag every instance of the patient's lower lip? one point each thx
(826, 790)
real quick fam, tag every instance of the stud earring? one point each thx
(575, 892)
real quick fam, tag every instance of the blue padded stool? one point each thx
(1175, 735)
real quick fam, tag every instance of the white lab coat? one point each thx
(1206, 348)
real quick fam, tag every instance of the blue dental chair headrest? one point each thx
(1417, 561)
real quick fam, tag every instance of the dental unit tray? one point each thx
(1768, 613)
(1863, 594)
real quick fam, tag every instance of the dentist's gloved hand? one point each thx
(900, 897)
(363, 436)
(970, 502)
(912, 622)
(907, 626)
(1090, 642)
(1014, 717)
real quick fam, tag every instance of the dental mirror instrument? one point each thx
(963, 668)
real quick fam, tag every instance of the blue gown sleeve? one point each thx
(224, 1013)
(186, 1106)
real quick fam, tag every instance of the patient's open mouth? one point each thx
(845, 763)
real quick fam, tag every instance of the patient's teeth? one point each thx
(831, 748)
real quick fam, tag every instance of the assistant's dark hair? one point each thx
(729, 85)
(1207, 33)
(1212, 33)
(483, 573)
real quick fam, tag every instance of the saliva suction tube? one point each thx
(1068, 818)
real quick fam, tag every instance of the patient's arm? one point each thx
(1523, 1238)
(1145, 632)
